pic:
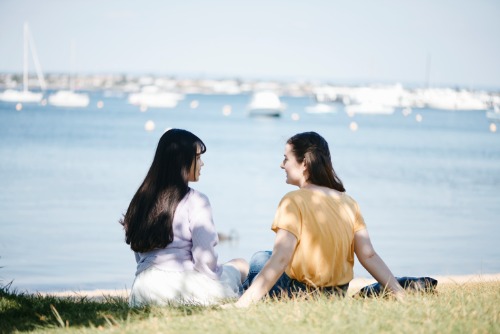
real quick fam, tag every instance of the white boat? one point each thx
(265, 103)
(26, 96)
(382, 98)
(23, 96)
(321, 108)
(326, 94)
(449, 99)
(152, 97)
(494, 114)
(68, 98)
(369, 108)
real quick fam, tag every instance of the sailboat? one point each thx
(69, 98)
(26, 96)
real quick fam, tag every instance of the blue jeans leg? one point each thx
(257, 262)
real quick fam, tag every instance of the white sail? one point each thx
(26, 96)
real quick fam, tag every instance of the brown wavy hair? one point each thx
(313, 149)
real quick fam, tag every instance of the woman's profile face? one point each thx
(294, 170)
(194, 173)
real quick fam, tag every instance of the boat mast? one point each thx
(428, 71)
(25, 65)
(29, 45)
(71, 66)
(38, 68)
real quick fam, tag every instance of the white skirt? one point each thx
(159, 287)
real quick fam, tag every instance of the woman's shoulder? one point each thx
(196, 196)
(306, 195)
(351, 201)
(294, 194)
(299, 197)
(348, 197)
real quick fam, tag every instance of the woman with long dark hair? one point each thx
(170, 228)
(318, 230)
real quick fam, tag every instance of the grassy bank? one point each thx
(455, 308)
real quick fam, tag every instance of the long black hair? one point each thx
(313, 149)
(149, 217)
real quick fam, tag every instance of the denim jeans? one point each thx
(285, 284)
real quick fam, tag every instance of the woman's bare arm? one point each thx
(374, 264)
(284, 247)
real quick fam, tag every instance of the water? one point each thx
(428, 190)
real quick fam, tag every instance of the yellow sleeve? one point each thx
(359, 223)
(288, 217)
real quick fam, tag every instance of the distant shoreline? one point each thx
(356, 284)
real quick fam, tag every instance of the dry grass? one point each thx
(472, 307)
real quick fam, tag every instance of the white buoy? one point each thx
(226, 110)
(19, 107)
(493, 127)
(143, 108)
(194, 104)
(149, 126)
(295, 116)
(406, 111)
(353, 126)
(43, 102)
(418, 118)
(100, 104)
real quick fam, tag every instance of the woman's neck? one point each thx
(323, 189)
(307, 185)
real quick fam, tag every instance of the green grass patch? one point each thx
(467, 308)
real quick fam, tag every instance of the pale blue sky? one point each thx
(356, 41)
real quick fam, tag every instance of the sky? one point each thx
(447, 42)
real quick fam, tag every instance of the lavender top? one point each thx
(194, 240)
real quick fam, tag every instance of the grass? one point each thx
(467, 308)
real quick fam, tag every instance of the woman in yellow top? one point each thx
(318, 230)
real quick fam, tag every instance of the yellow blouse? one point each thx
(324, 226)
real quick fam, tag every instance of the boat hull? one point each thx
(16, 96)
(265, 103)
(155, 100)
(494, 116)
(264, 112)
(69, 99)
(370, 109)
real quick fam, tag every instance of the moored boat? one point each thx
(369, 108)
(153, 97)
(321, 108)
(494, 114)
(25, 95)
(68, 98)
(265, 103)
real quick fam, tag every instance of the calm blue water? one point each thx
(428, 190)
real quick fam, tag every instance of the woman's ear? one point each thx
(305, 172)
(304, 165)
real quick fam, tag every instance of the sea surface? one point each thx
(428, 190)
